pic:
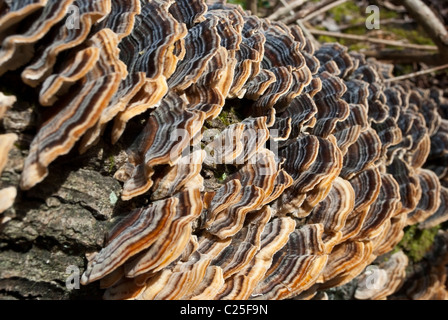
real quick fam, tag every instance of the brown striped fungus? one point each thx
(316, 172)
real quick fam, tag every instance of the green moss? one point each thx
(347, 9)
(229, 115)
(20, 146)
(413, 36)
(388, 14)
(222, 172)
(221, 177)
(111, 163)
(358, 14)
(224, 117)
(358, 46)
(416, 243)
(360, 31)
(358, 17)
(323, 39)
(240, 2)
(264, 4)
(353, 45)
(401, 69)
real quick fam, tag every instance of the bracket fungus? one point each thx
(320, 170)
(381, 281)
(7, 140)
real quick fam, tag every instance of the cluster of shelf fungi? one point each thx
(356, 159)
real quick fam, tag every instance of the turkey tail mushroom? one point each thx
(253, 165)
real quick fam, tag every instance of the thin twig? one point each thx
(399, 22)
(416, 74)
(305, 11)
(323, 9)
(308, 34)
(391, 7)
(288, 8)
(408, 56)
(373, 40)
(435, 29)
(252, 5)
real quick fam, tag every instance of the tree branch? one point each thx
(398, 22)
(302, 13)
(373, 40)
(407, 56)
(416, 74)
(252, 6)
(288, 8)
(323, 10)
(435, 29)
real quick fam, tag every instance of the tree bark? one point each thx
(47, 233)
